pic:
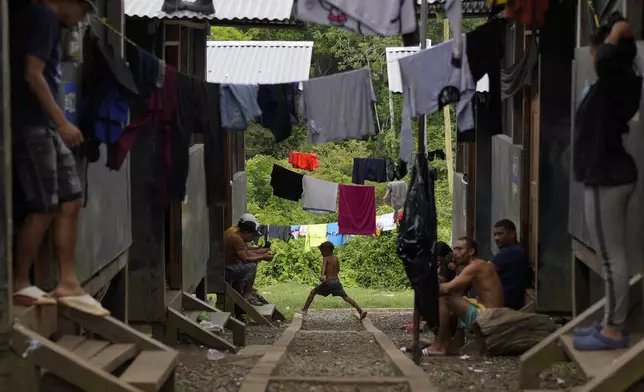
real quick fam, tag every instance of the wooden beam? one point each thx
(622, 374)
(187, 23)
(113, 329)
(193, 330)
(97, 282)
(45, 353)
(246, 307)
(448, 128)
(40, 319)
(234, 325)
(587, 256)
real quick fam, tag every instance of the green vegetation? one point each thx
(366, 262)
(291, 296)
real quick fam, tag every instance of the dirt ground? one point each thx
(352, 353)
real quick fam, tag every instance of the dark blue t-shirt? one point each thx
(35, 30)
(514, 271)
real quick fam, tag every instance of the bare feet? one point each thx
(68, 290)
(363, 315)
(434, 350)
(302, 312)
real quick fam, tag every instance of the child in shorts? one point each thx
(329, 281)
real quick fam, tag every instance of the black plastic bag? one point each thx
(417, 238)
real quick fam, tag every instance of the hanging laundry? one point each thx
(214, 142)
(315, 235)
(107, 91)
(286, 184)
(161, 114)
(303, 160)
(531, 13)
(339, 107)
(368, 17)
(454, 12)
(396, 194)
(436, 154)
(370, 169)
(279, 112)
(318, 196)
(484, 52)
(333, 234)
(386, 222)
(295, 231)
(430, 82)
(520, 74)
(279, 232)
(262, 232)
(147, 70)
(238, 106)
(357, 211)
(304, 230)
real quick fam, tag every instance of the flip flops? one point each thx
(32, 295)
(84, 303)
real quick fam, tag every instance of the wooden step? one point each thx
(114, 356)
(592, 362)
(150, 370)
(216, 318)
(266, 310)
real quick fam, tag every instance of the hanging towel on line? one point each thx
(315, 235)
(357, 212)
(295, 231)
(286, 184)
(367, 17)
(279, 113)
(339, 107)
(386, 222)
(430, 82)
(303, 160)
(319, 197)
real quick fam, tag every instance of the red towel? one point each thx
(303, 160)
(357, 212)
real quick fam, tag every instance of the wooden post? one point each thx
(6, 236)
(448, 128)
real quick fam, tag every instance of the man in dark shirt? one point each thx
(44, 167)
(511, 264)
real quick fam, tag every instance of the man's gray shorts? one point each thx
(330, 287)
(44, 169)
(238, 275)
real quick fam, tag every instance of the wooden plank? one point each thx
(40, 319)
(116, 299)
(150, 370)
(190, 302)
(246, 307)
(546, 352)
(237, 327)
(258, 378)
(113, 329)
(64, 364)
(89, 348)
(342, 380)
(173, 299)
(70, 342)
(114, 356)
(266, 310)
(190, 328)
(587, 256)
(621, 374)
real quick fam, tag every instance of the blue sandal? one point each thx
(596, 341)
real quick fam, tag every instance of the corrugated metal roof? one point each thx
(258, 62)
(393, 69)
(225, 11)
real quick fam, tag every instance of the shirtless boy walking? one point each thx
(330, 283)
(453, 305)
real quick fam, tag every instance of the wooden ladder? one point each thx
(111, 357)
(607, 371)
(263, 315)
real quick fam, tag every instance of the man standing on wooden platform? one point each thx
(46, 181)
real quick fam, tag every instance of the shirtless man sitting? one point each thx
(453, 305)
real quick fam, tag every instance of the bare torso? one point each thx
(332, 267)
(486, 283)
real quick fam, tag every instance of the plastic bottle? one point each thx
(214, 355)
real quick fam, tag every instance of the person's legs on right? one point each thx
(447, 306)
(605, 210)
(307, 304)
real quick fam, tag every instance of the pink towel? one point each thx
(357, 211)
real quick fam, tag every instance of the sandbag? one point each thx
(417, 237)
(507, 332)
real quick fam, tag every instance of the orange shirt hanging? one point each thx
(302, 160)
(531, 13)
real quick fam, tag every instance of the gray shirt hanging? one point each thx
(339, 107)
